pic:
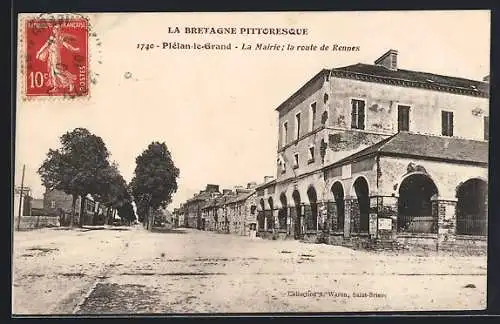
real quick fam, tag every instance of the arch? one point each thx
(270, 203)
(296, 198)
(362, 193)
(283, 211)
(427, 174)
(260, 215)
(338, 196)
(352, 192)
(269, 213)
(416, 192)
(472, 207)
(311, 211)
(283, 200)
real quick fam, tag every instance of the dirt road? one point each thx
(129, 270)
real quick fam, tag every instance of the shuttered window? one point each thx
(403, 118)
(358, 114)
(447, 123)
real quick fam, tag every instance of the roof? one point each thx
(315, 83)
(426, 146)
(378, 73)
(266, 184)
(420, 79)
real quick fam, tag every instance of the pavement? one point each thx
(127, 270)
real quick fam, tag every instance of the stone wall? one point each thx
(381, 108)
(34, 222)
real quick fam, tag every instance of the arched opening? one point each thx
(415, 206)
(269, 214)
(260, 215)
(311, 211)
(338, 196)
(363, 199)
(472, 207)
(283, 212)
(296, 214)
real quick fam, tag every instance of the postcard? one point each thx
(251, 162)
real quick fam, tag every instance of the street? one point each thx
(124, 270)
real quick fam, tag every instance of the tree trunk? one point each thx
(150, 219)
(73, 209)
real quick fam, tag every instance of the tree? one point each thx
(73, 167)
(154, 181)
(126, 212)
(112, 190)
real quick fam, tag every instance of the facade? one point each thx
(193, 206)
(56, 200)
(375, 153)
(229, 211)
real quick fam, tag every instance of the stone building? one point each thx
(371, 153)
(56, 200)
(193, 206)
(231, 211)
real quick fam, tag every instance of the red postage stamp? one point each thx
(57, 57)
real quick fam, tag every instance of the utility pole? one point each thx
(21, 199)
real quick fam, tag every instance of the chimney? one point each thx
(389, 60)
(251, 185)
(268, 178)
(486, 79)
(212, 188)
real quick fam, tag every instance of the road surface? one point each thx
(126, 270)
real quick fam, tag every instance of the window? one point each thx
(486, 128)
(285, 133)
(358, 114)
(312, 116)
(311, 154)
(325, 98)
(297, 126)
(403, 118)
(296, 159)
(447, 123)
(53, 204)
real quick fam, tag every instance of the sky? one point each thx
(215, 110)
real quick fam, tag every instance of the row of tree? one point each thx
(81, 167)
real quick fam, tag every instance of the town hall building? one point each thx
(372, 153)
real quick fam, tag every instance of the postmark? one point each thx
(56, 62)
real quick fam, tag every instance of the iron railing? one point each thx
(417, 224)
(472, 224)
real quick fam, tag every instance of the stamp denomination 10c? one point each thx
(56, 57)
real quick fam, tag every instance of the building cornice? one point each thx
(408, 83)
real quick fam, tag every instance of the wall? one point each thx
(33, 222)
(445, 175)
(425, 108)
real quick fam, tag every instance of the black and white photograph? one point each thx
(251, 162)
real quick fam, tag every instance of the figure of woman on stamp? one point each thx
(59, 76)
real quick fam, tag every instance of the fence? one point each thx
(472, 225)
(417, 224)
(34, 222)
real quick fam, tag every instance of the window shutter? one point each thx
(443, 123)
(354, 115)
(450, 124)
(486, 128)
(361, 114)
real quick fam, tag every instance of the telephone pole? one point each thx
(21, 199)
